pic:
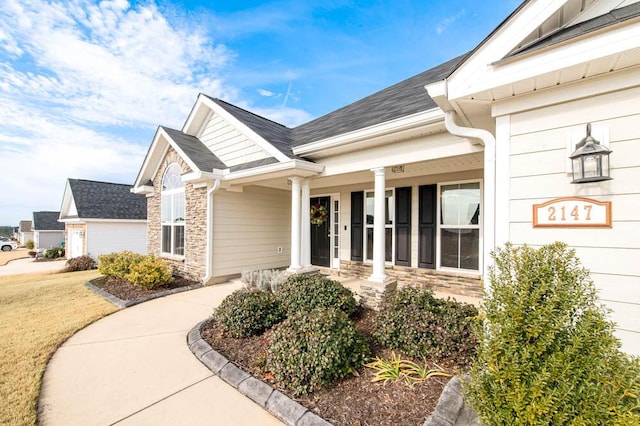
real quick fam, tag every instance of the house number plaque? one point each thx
(572, 212)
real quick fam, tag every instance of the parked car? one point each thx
(8, 245)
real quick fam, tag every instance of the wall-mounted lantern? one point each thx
(590, 160)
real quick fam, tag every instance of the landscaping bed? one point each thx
(124, 290)
(355, 400)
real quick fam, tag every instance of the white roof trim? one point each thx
(101, 220)
(239, 125)
(305, 167)
(381, 129)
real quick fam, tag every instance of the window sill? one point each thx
(173, 257)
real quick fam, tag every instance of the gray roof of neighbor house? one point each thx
(47, 221)
(24, 226)
(613, 17)
(105, 200)
(193, 147)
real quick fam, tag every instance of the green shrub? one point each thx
(547, 352)
(310, 350)
(29, 245)
(421, 325)
(118, 265)
(304, 293)
(54, 253)
(247, 313)
(150, 272)
(80, 263)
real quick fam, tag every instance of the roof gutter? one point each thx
(209, 253)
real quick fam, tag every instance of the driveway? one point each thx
(28, 266)
(134, 368)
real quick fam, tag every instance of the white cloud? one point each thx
(266, 93)
(448, 21)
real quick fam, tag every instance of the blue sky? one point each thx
(84, 84)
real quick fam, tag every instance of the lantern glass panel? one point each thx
(591, 166)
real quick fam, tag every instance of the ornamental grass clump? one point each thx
(304, 293)
(423, 326)
(265, 279)
(246, 313)
(150, 272)
(547, 352)
(311, 349)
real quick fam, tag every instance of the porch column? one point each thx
(378, 274)
(295, 223)
(306, 224)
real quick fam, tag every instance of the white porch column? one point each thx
(378, 274)
(295, 223)
(305, 240)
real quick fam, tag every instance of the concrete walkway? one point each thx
(134, 368)
(28, 266)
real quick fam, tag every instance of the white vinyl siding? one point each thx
(248, 228)
(105, 237)
(47, 239)
(538, 154)
(229, 144)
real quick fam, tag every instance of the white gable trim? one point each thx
(472, 74)
(204, 101)
(67, 202)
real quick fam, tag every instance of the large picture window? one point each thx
(389, 208)
(459, 226)
(172, 215)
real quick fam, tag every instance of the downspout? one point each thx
(487, 140)
(209, 252)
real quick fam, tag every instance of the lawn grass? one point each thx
(38, 312)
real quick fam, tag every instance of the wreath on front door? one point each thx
(319, 214)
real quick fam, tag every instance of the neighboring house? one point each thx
(25, 232)
(47, 231)
(419, 182)
(103, 217)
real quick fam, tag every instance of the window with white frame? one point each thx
(389, 208)
(459, 226)
(172, 211)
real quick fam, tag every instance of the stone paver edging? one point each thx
(121, 304)
(272, 400)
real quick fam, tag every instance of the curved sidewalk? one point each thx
(134, 367)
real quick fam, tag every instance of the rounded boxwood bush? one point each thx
(118, 264)
(421, 325)
(150, 272)
(80, 263)
(311, 349)
(304, 293)
(247, 313)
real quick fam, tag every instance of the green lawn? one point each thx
(38, 312)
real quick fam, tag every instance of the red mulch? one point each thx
(124, 290)
(354, 401)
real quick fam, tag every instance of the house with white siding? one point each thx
(47, 231)
(102, 217)
(417, 184)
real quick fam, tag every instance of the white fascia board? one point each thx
(377, 130)
(304, 167)
(115, 221)
(67, 199)
(146, 164)
(144, 190)
(71, 220)
(193, 114)
(198, 176)
(243, 128)
(578, 51)
(473, 72)
(586, 88)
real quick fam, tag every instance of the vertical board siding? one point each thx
(538, 173)
(104, 238)
(248, 228)
(229, 144)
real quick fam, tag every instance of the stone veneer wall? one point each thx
(444, 281)
(193, 265)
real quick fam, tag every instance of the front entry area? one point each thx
(320, 231)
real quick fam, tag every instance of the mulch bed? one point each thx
(353, 401)
(124, 290)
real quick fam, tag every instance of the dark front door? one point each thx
(320, 240)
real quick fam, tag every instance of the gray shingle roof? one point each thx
(197, 152)
(104, 200)
(614, 17)
(278, 135)
(400, 100)
(47, 221)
